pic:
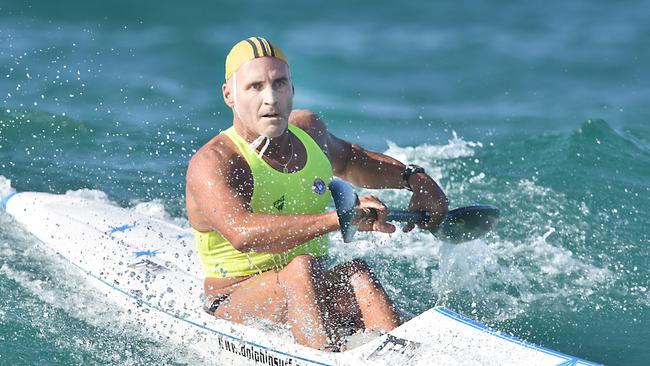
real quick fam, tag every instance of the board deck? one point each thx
(149, 266)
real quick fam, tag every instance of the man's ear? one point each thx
(228, 97)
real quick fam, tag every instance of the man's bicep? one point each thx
(217, 200)
(340, 154)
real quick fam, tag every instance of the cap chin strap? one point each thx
(258, 141)
(234, 93)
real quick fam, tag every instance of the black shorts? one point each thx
(210, 304)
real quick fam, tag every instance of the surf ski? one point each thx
(149, 266)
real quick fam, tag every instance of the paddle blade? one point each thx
(467, 223)
(345, 200)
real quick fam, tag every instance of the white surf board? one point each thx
(150, 267)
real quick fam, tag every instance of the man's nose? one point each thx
(270, 96)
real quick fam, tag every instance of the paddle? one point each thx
(459, 225)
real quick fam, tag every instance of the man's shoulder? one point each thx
(218, 151)
(309, 122)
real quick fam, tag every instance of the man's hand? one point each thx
(427, 196)
(371, 215)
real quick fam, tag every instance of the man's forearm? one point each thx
(378, 171)
(370, 169)
(279, 233)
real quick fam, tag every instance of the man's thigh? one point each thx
(342, 303)
(267, 295)
(260, 296)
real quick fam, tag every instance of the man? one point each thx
(256, 198)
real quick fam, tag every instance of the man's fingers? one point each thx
(374, 203)
(408, 227)
(374, 214)
(383, 227)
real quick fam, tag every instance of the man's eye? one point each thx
(280, 83)
(257, 86)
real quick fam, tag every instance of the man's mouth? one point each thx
(271, 115)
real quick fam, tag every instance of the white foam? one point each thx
(5, 187)
(455, 148)
(415, 245)
(72, 293)
(429, 156)
(502, 276)
(512, 275)
(90, 195)
(5, 250)
(155, 208)
(60, 286)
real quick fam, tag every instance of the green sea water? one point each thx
(540, 109)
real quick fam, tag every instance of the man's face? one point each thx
(264, 95)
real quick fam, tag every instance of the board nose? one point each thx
(6, 191)
(4, 198)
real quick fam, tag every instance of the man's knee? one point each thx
(357, 271)
(359, 265)
(355, 266)
(300, 269)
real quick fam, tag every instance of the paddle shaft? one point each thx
(416, 217)
(407, 216)
(459, 225)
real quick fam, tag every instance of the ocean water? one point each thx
(540, 109)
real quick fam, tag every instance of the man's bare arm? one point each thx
(363, 167)
(351, 162)
(370, 169)
(355, 164)
(227, 211)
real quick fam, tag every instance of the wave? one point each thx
(596, 140)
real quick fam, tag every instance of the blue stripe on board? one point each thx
(569, 360)
(121, 229)
(6, 198)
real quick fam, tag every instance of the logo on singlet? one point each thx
(319, 186)
(279, 204)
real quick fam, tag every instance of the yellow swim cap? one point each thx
(248, 49)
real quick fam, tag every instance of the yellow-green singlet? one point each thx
(301, 192)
